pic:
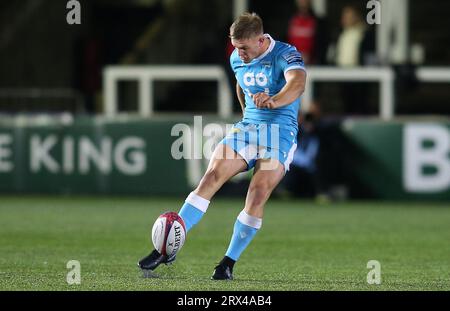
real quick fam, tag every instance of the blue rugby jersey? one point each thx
(266, 74)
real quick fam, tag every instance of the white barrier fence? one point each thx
(385, 76)
(145, 75)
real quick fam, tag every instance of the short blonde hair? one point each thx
(246, 26)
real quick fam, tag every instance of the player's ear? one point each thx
(261, 41)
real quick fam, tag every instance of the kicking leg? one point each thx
(224, 164)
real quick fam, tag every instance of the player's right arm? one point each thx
(240, 96)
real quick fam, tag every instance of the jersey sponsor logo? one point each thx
(250, 79)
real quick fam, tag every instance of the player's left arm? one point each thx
(293, 89)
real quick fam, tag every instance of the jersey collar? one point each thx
(269, 49)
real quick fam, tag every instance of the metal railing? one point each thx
(385, 76)
(433, 74)
(145, 75)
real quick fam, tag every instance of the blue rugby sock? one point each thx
(193, 210)
(245, 229)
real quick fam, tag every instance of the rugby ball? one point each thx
(168, 233)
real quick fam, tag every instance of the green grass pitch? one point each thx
(301, 246)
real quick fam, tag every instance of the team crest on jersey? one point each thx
(266, 64)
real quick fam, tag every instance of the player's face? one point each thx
(249, 49)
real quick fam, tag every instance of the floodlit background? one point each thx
(90, 95)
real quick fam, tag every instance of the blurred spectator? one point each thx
(316, 170)
(88, 68)
(302, 179)
(355, 47)
(356, 42)
(349, 41)
(308, 33)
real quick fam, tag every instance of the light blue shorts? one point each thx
(262, 141)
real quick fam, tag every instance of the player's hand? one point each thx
(259, 99)
(270, 103)
(262, 100)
